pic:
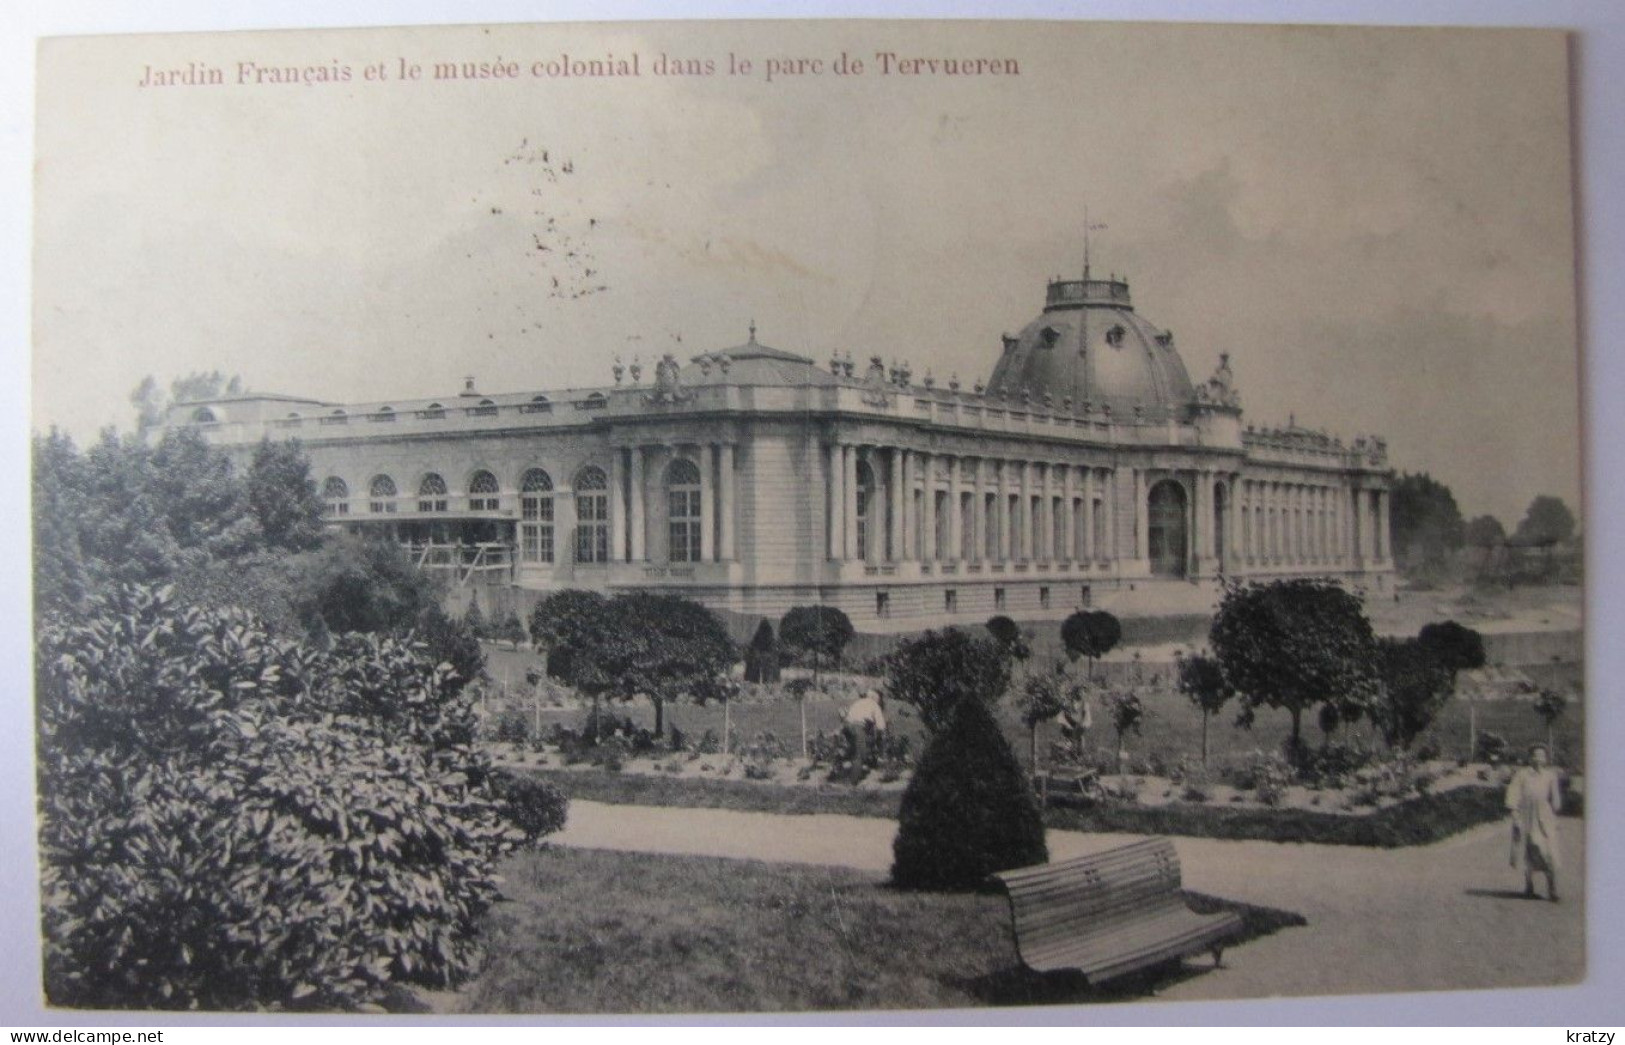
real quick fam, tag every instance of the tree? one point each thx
(1547, 521)
(229, 821)
(1485, 531)
(939, 670)
(816, 633)
(1457, 648)
(282, 496)
(1091, 634)
(511, 630)
(1007, 634)
(565, 625)
(1127, 712)
(62, 577)
(151, 404)
(1425, 522)
(969, 811)
(452, 642)
(365, 584)
(636, 644)
(1203, 683)
(1550, 705)
(1045, 695)
(762, 656)
(1414, 683)
(474, 617)
(1291, 645)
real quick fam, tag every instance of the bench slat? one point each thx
(1109, 913)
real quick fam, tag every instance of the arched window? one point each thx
(381, 495)
(335, 496)
(203, 416)
(592, 515)
(432, 494)
(683, 511)
(482, 493)
(866, 506)
(536, 516)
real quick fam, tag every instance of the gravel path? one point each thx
(1437, 917)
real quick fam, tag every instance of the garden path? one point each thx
(1435, 917)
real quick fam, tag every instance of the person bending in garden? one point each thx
(1534, 799)
(865, 721)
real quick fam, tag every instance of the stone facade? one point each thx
(755, 480)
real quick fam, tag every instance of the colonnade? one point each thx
(891, 504)
(1306, 524)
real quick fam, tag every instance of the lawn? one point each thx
(589, 931)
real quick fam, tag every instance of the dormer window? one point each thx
(1114, 336)
(1050, 335)
(204, 416)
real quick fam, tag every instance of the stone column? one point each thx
(1088, 547)
(708, 511)
(978, 513)
(617, 509)
(895, 487)
(1001, 514)
(638, 525)
(1142, 521)
(1384, 532)
(849, 502)
(1114, 550)
(1069, 515)
(564, 524)
(1233, 553)
(836, 501)
(725, 502)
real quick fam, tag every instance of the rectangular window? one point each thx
(484, 504)
(684, 529)
(1013, 522)
(1099, 531)
(1043, 598)
(882, 604)
(592, 535)
(1086, 596)
(536, 529)
(950, 601)
(998, 598)
(1057, 533)
(990, 527)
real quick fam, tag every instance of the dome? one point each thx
(1091, 345)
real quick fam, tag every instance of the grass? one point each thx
(585, 931)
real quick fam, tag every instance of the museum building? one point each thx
(1089, 470)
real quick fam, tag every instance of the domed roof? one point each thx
(1091, 345)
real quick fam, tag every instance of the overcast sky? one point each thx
(1376, 224)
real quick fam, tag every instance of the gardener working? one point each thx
(865, 718)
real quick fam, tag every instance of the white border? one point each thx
(1599, 66)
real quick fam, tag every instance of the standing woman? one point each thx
(1534, 799)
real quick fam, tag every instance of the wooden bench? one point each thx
(1061, 781)
(1111, 913)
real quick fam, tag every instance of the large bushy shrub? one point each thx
(230, 821)
(969, 810)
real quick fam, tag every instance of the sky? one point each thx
(1377, 225)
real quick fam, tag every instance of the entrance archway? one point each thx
(1167, 534)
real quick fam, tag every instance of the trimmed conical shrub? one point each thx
(969, 811)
